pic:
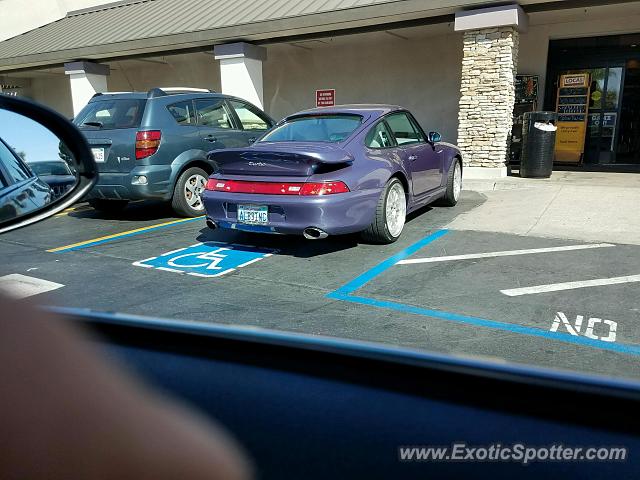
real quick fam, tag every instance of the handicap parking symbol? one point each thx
(210, 259)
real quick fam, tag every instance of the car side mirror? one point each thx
(434, 137)
(36, 144)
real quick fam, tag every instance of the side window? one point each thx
(249, 117)
(17, 171)
(379, 136)
(213, 113)
(403, 129)
(183, 112)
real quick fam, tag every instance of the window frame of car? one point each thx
(232, 116)
(7, 178)
(392, 137)
(414, 123)
(195, 114)
(253, 109)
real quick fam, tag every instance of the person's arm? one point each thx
(67, 413)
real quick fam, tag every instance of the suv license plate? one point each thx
(98, 154)
(253, 214)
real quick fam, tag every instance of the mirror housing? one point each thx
(434, 137)
(81, 158)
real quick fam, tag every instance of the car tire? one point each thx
(190, 182)
(108, 206)
(454, 185)
(391, 213)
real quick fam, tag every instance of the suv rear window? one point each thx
(111, 114)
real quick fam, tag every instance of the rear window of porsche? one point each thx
(315, 128)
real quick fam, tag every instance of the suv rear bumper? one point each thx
(120, 186)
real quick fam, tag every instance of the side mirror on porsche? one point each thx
(45, 163)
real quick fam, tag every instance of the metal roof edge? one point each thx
(103, 6)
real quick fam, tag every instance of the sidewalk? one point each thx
(588, 206)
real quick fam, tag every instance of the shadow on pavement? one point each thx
(135, 211)
(292, 245)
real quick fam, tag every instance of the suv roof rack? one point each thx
(162, 91)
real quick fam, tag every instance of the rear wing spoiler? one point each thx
(270, 160)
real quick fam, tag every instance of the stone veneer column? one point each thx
(487, 96)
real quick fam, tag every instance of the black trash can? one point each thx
(538, 144)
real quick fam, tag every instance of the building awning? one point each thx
(145, 27)
(152, 26)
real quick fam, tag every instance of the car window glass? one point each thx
(111, 114)
(249, 118)
(379, 137)
(50, 168)
(314, 128)
(403, 129)
(183, 113)
(15, 168)
(213, 113)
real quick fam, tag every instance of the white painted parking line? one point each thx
(507, 253)
(556, 287)
(21, 286)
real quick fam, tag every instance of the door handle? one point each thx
(413, 157)
(211, 138)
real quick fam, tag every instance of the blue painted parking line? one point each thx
(209, 260)
(345, 293)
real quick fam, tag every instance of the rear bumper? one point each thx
(120, 186)
(335, 214)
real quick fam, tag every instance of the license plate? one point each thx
(98, 154)
(253, 214)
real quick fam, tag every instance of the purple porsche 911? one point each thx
(334, 170)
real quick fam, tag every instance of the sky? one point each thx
(26, 135)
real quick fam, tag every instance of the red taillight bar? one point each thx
(277, 188)
(147, 143)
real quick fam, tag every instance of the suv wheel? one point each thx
(108, 206)
(187, 200)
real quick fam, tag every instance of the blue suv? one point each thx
(154, 145)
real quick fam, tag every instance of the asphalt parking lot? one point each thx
(551, 302)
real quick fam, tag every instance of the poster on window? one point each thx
(526, 89)
(572, 107)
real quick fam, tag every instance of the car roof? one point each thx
(364, 109)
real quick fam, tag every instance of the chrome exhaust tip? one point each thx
(211, 224)
(313, 233)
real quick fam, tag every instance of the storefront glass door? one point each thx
(604, 106)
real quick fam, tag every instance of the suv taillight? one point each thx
(147, 143)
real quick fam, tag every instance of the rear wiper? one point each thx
(93, 124)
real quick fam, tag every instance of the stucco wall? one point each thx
(53, 91)
(421, 74)
(188, 70)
